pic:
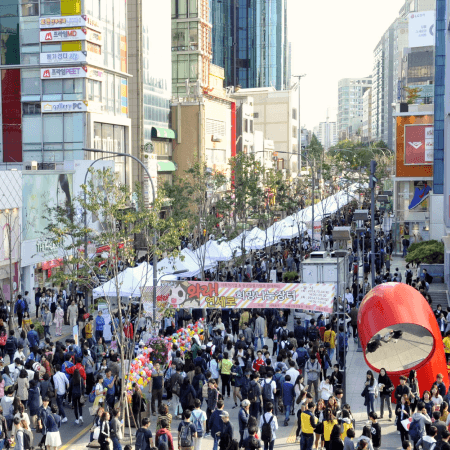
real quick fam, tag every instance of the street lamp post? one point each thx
(155, 257)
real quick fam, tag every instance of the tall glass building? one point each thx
(249, 39)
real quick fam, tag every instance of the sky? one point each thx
(332, 40)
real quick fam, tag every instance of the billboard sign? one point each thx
(419, 144)
(39, 192)
(63, 35)
(71, 72)
(422, 28)
(70, 21)
(205, 294)
(72, 106)
(62, 57)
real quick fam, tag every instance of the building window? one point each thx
(182, 9)
(73, 89)
(52, 89)
(31, 82)
(164, 178)
(251, 126)
(162, 148)
(294, 114)
(256, 115)
(29, 8)
(31, 109)
(246, 125)
(50, 7)
(95, 90)
(215, 127)
(294, 132)
(215, 156)
(9, 33)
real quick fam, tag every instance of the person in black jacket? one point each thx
(78, 389)
(336, 442)
(403, 412)
(386, 387)
(401, 389)
(299, 331)
(375, 430)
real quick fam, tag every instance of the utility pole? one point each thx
(313, 167)
(299, 127)
(372, 184)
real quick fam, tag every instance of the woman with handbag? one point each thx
(137, 403)
(82, 315)
(77, 388)
(403, 412)
(371, 392)
(386, 388)
(104, 435)
(95, 429)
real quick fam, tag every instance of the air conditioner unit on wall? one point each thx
(216, 138)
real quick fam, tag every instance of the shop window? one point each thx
(52, 90)
(9, 34)
(31, 125)
(53, 128)
(31, 109)
(29, 8)
(73, 89)
(95, 90)
(31, 82)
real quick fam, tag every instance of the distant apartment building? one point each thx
(350, 104)
(275, 114)
(327, 134)
(366, 132)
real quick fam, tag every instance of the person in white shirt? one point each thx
(293, 372)
(268, 417)
(326, 389)
(19, 354)
(61, 385)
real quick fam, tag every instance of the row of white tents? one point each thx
(131, 280)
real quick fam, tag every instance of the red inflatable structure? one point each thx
(398, 331)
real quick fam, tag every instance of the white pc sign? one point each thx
(422, 29)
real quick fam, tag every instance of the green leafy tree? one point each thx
(427, 252)
(315, 150)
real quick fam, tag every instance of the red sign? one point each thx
(419, 144)
(47, 265)
(46, 74)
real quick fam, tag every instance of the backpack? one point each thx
(163, 442)
(185, 435)
(140, 443)
(218, 342)
(251, 395)
(198, 424)
(313, 333)
(267, 391)
(26, 439)
(92, 395)
(414, 430)
(302, 356)
(409, 274)
(278, 378)
(266, 430)
(20, 306)
(282, 334)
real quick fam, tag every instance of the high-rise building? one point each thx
(366, 135)
(150, 88)
(191, 45)
(327, 134)
(350, 103)
(64, 82)
(249, 40)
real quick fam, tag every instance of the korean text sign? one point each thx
(211, 294)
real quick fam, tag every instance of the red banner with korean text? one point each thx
(211, 294)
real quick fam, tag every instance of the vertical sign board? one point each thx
(419, 144)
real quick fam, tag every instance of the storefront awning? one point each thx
(166, 166)
(164, 133)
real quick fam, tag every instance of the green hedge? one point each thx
(427, 252)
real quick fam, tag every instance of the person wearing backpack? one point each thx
(212, 403)
(11, 346)
(268, 389)
(21, 438)
(268, 424)
(302, 356)
(163, 437)
(342, 346)
(417, 425)
(408, 275)
(186, 432)
(144, 437)
(215, 423)
(313, 370)
(198, 418)
(279, 381)
(313, 331)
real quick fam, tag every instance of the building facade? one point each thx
(250, 42)
(150, 65)
(275, 114)
(64, 84)
(350, 103)
(327, 134)
(366, 134)
(191, 45)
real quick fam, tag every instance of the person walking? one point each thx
(186, 432)
(417, 425)
(59, 320)
(77, 388)
(268, 424)
(47, 321)
(244, 415)
(386, 388)
(61, 385)
(260, 326)
(116, 433)
(156, 387)
(198, 418)
(313, 370)
(370, 391)
(72, 311)
(308, 425)
(225, 366)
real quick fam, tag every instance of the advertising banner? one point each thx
(422, 27)
(62, 57)
(70, 21)
(211, 294)
(72, 106)
(419, 144)
(71, 72)
(39, 192)
(63, 35)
